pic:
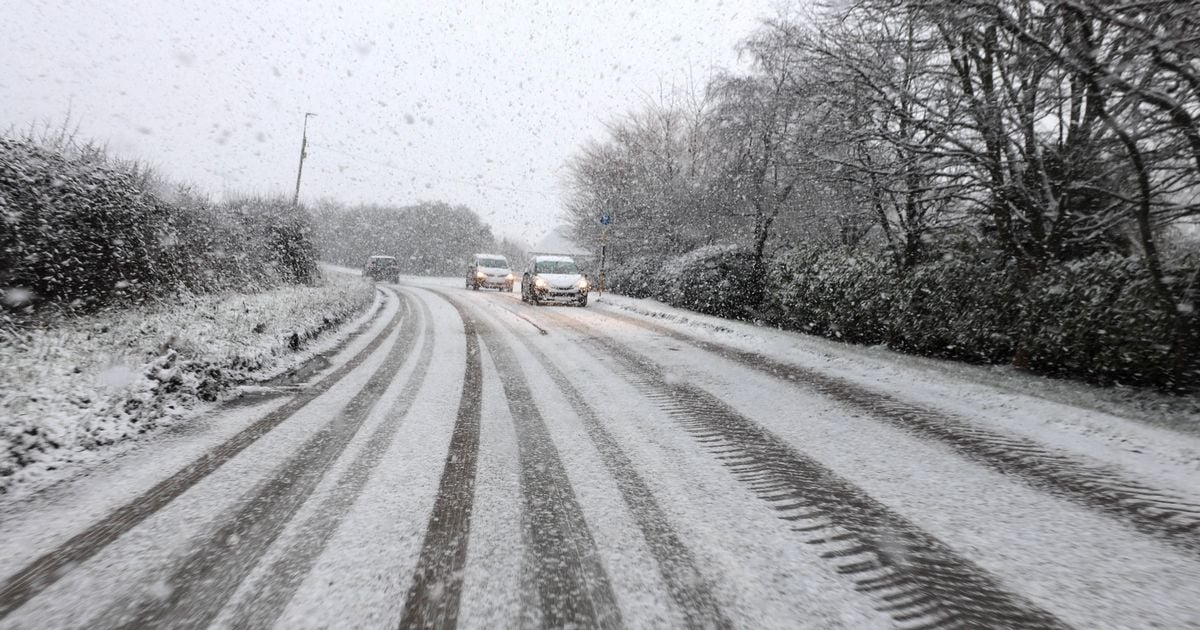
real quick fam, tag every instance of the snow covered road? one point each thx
(469, 460)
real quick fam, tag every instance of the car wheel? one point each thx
(582, 301)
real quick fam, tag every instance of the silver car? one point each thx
(490, 271)
(554, 279)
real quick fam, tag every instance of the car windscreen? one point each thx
(556, 266)
(492, 263)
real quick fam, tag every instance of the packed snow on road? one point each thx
(466, 458)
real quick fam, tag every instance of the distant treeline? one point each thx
(80, 231)
(993, 180)
(429, 238)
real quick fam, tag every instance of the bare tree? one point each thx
(883, 112)
(765, 133)
(652, 176)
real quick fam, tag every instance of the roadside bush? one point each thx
(830, 294)
(1100, 318)
(1096, 318)
(957, 308)
(206, 252)
(79, 232)
(279, 238)
(636, 277)
(717, 280)
(76, 231)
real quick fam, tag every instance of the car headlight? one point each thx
(583, 284)
(540, 283)
(480, 275)
(511, 277)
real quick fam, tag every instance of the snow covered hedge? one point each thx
(635, 277)
(79, 231)
(75, 230)
(717, 280)
(1096, 318)
(100, 379)
(1100, 318)
(808, 289)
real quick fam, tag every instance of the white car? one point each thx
(554, 279)
(491, 271)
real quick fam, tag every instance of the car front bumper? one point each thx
(498, 282)
(550, 294)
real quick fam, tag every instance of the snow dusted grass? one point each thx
(70, 389)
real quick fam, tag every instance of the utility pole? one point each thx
(303, 154)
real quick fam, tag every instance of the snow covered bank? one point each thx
(881, 367)
(99, 380)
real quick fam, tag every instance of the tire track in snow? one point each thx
(1158, 513)
(572, 587)
(687, 586)
(40, 574)
(911, 575)
(261, 608)
(433, 599)
(202, 581)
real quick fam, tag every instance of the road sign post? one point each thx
(605, 220)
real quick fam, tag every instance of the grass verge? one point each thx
(86, 383)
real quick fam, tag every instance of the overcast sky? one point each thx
(479, 103)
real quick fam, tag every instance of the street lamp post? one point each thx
(303, 154)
